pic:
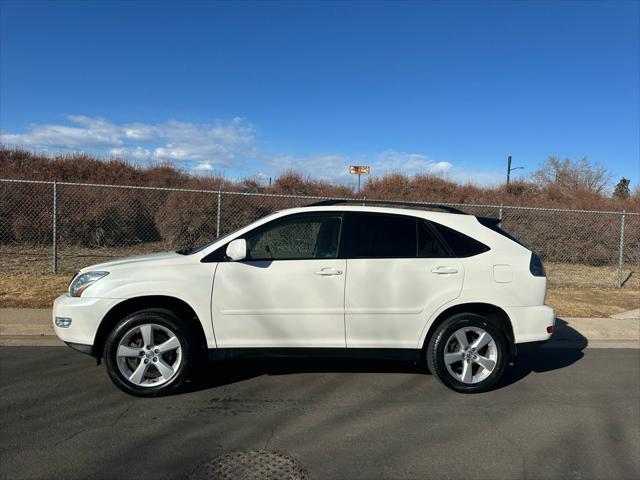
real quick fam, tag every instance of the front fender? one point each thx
(191, 284)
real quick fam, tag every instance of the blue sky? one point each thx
(254, 88)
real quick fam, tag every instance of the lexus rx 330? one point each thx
(451, 289)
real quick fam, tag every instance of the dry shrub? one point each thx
(393, 186)
(118, 217)
(25, 213)
(97, 217)
(189, 218)
(293, 183)
(560, 237)
(8, 211)
(195, 224)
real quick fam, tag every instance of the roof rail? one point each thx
(397, 203)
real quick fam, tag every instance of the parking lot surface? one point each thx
(561, 413)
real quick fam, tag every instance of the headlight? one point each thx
(81, 282)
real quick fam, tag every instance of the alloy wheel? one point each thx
(149, 355)
(470, 355)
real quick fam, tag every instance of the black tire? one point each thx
(164, 318)
(436, 350)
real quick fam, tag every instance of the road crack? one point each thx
(266, 444)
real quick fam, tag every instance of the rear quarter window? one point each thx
(494, 224)
(460, 244)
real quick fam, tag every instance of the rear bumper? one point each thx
(531, 324)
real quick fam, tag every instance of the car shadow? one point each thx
(564, 349)
(226, 372)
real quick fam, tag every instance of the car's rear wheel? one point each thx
(149, 353)
(467, 353)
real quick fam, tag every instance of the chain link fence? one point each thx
(60, 227)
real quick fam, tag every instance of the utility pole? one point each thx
(510, 169)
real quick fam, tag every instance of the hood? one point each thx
(153, 258)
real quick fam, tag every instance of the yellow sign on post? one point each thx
(359, 170)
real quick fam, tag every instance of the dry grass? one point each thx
(31, 290)
(39, 291)
(563, 275)
(592, 302)
(35, 259)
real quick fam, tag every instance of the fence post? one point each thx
(218, 214)
(621, 251)
(500, 213)
(55, 228)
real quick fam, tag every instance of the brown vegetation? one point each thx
(592, 302)
(115, 217)
(557, 184)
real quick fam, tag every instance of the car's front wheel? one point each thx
(467, 353)
(149, 353)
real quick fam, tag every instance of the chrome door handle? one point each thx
(445, 270)
(327, 272)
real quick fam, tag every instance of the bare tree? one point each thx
(573, 175)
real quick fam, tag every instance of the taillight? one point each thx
(535, 266)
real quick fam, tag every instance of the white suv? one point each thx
(327, 279)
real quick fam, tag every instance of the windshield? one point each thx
(191, 250)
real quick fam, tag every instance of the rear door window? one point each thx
(381, 236)
(429, 246)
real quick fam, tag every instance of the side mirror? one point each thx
(237, 249)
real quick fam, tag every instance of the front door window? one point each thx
(298, 239)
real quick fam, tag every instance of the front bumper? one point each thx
(85, 315)
(532, 324)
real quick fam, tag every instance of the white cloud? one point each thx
(206, 147)
(139, 132)
(481, 178)
(391, 161)
(219, 143)
(138, 153)
(204, 167)
(322, 167)
(96, 134)
(335, 168)
(237, 132)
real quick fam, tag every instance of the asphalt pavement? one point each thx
(567, 413)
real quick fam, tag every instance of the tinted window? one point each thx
(428, 245)
(306, 237)
(382, 236)
(494, 224)
(460, 244)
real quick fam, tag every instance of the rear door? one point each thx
(398, 273)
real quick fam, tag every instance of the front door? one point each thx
(289, 291)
